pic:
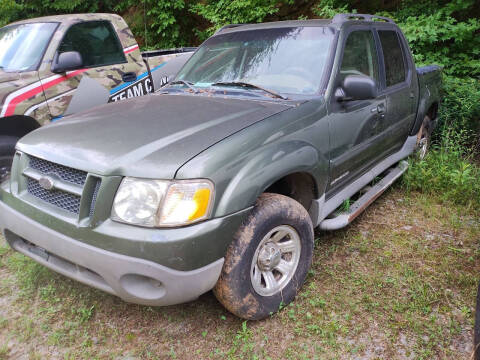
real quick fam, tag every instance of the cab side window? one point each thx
(96, 41)
(360, 55)
(393, 57)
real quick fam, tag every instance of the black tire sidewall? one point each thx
(7, 145)
(7, 150)
(267, 215)
(427, 125)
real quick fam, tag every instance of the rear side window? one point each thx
(394, 57)
(96, 41)
(360, 55)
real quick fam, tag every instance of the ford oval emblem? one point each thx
(46, 183)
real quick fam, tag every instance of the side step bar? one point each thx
(345, 218)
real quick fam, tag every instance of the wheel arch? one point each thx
(425, 107)
(299, 186)
(432, 111)
(294, 169)
(18, 125)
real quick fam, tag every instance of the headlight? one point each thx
(160, 203)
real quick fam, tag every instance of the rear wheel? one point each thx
(7, 150)
(268, 260)
(424, 138)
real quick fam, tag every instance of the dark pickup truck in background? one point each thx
(59, 65)
(223, 174)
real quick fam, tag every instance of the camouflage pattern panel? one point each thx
(40, 112)
(21, 93)
(108, 77)
(126, 37)
(162, 68)
(60, 90)
(123, 31)
(45, 95)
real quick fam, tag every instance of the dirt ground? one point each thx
(399, 283)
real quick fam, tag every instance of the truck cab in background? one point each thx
(55, 66)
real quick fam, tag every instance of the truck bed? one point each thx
(166, 63)
(430, 85)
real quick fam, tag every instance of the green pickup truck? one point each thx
(218, 180)
(59, 65)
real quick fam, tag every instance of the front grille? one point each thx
(94, 197)
(65, 173)
(58, 198)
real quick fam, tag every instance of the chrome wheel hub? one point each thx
(269, 257)
(422, 148)
(275, 260)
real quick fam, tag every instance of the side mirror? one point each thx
(356, 87)
(69, 60)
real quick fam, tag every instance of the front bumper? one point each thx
(132, 279)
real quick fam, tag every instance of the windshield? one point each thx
(285, 60)
(22, 46)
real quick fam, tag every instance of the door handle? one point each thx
(129, 77)
(380, 109)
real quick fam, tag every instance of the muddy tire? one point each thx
(476, 331)
(268, 260)
(424, 138)
(7, 150)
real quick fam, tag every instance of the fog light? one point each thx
(143, 287)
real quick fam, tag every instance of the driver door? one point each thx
(108, 68)
(358, 128)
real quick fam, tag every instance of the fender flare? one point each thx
(424, 106)
(266, 167)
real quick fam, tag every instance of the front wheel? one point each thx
(268, 260)
(7, 150)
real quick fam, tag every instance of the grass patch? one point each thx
(398, 283)
(448, 172)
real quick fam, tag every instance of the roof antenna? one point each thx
(145, 22)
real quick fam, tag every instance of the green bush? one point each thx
(222, 12)
(444, 35)
(446, 172)
(158, 24)
(444, 32)
(460, 110)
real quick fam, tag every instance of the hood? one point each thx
(149, 136)
(13, 81)
(8, 76)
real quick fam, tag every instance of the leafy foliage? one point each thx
(460, 111)
(444, 32)
(438, 37)
(165, 22)
(329, 8)
(222, 12)
(447, 171)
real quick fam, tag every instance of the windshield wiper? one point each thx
(186, 83)
(251, 86)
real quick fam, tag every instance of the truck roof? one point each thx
(71, 18)
(337, 22)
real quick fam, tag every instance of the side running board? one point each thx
(372, 193)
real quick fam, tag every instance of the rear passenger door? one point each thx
(400, 90)
(106, 69)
